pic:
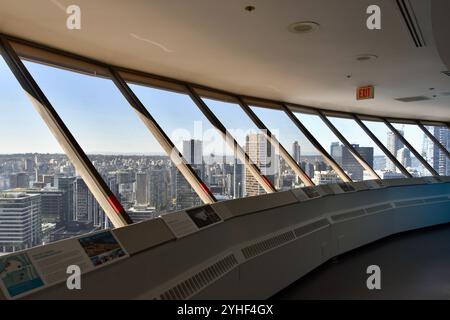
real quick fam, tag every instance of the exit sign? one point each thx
(363, 93)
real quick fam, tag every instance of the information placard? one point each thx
(29, 271)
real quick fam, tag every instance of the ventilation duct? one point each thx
(413, 99)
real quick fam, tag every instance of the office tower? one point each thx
(23, 212)
(66, 184)
(336, 152)
(433, 154)
(51, 203)
(83, 202)
(193, 151)
(19, 180)
(159, 189)
(393, 145)
(185, 195)
(443, 135)
(348, 162)
(29, 165)
(404, 157)
(125, 177)
(238, 179)
(296, 152)
(309, 169)
(262, 153)
(141, 189)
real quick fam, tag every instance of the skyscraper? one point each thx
(404, 157)
(296, 152)
(193, 153)
(348, 162)
(262, 153)
(433, 154)
(393, 145)
(19, 180)
(66, 184)
(141, 189)
(20, 217)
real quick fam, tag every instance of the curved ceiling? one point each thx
(220, 44)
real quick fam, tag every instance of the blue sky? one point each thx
(103, 122)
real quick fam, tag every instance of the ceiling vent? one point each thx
(447, 73)
(411, 22)
(413, 99)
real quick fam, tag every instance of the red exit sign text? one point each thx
(363, 93)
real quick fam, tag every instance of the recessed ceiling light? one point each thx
(366, 57)
(303, 27)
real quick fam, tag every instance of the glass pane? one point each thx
(117, 142)
(250, 138)
(300, 148)
(363, 144)
(441, 163)
(335, 148)
(421, 143)
(397, 148)
(199, 142)
(41, 198)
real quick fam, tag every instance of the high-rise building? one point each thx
(393, 145)
(185, 195)
(348, 162)
(19, 180)
(433, 154)
(193, 151)
(262, 153)
(20, 218)
(141, 189)
(83, 209)
(296, 152)
(159, 189)
(404, 157)
(66, 184)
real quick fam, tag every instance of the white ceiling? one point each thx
(219, 44)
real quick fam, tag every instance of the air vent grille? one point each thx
(348, 215)
(381, 207)
(413, 99)
(303, 230)
(447, 73)
(194, 284)
(268, 244)
(411, 22)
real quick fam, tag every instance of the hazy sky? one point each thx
(103, 122)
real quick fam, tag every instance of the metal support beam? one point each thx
(74, 152)
(349, 146)
(411, 148)
(239, 151)
(434, 139)
(273, 140)
(380, 145)
(331, 162)
(177, 158)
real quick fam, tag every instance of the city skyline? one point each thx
(112, 109)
